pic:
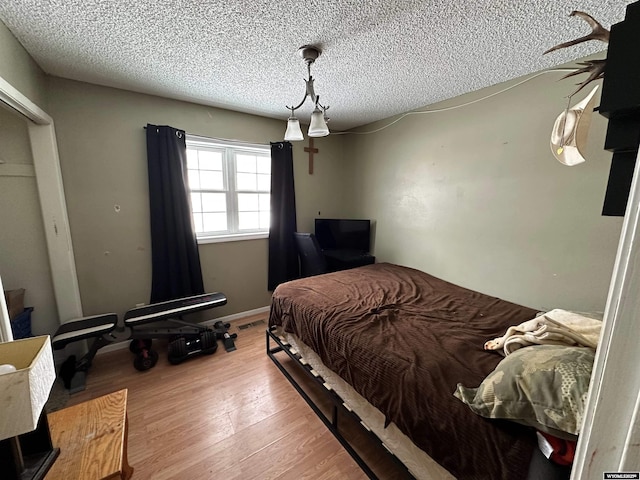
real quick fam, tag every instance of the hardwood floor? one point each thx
(229, 415)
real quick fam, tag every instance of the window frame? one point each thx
(230, 150)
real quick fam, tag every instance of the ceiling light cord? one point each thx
(453, 107)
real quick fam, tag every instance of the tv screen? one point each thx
(341, 234)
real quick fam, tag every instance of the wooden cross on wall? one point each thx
(311, 151)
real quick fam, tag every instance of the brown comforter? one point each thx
(403, 339)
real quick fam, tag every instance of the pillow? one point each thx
(542, 386)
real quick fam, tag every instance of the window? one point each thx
(230, 188)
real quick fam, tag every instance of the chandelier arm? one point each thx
(317, 101)
(293, 109)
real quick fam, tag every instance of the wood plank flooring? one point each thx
(229, 415)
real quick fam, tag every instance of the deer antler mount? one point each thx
(595, 68)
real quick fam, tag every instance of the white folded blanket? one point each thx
(557, 327)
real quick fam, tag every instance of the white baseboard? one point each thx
(236, 316)
(226, 319)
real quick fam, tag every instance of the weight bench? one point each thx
(96, 327)
(187, 338)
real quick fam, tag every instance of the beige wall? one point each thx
(103, 160)
(474, 196)
(18, 68)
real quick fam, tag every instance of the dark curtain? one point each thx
(174, 250)
(283, 256)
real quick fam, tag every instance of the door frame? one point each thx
(46, 162)
(610, 436)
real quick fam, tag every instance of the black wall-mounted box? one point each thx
(620, 103)
(621, 87)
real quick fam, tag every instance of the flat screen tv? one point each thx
(342, 234)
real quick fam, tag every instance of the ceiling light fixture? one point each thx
(318, 126)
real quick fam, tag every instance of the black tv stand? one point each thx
(342, 259)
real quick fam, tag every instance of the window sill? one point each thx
(233, 238)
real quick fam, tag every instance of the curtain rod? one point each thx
(223, 140)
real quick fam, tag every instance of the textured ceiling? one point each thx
(380, 58)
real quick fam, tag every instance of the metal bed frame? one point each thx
(339, 406)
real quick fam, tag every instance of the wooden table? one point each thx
(92, 437)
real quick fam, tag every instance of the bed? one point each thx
(394, 343)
